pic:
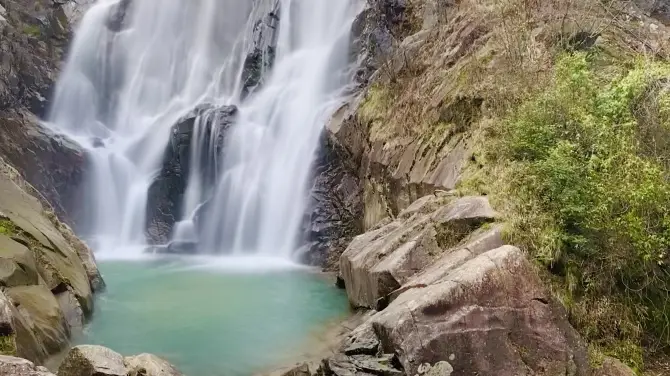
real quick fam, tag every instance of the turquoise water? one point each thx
(211, 320)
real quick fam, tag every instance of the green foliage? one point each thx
(591, 203)
(32, 30)
(7, 227)
(7, 345)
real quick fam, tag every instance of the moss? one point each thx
(7, 345)
(571, 169)
(32, 30)
(8, 227)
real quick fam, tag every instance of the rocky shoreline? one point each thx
(441, 290)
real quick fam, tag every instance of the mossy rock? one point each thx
(47, 320)
(8, 345)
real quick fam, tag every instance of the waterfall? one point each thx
(137, 69)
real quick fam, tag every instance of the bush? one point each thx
(590, 202)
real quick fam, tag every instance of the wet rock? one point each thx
(11, 366)
(149, 365)
(166, 192)
(261, 58)
(89, 360)
(117, 18)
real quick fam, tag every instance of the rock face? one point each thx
(262, 55)
(380, 261)
(451, 298)
(88, 360)
(47, 275)
(34, 35)
(205, 125)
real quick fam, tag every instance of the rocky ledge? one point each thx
(47, 275)
(91, 360)
(448, 296)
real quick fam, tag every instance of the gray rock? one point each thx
(10, 366)
(149, 365)
(299, 370)
(166, 192)
(74, 315)
(440, 369)
(613, 367)
(89, 360)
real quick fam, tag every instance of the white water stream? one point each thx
(121, 93)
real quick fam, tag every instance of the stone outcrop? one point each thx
(207, 125)
(382, 260)
(451, 298)
(335, 208)
(262, 55)
(47, 275)
(34, 35)
(149, 365)
(89, 360)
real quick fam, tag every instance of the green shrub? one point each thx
(590, 202)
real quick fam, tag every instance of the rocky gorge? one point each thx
(408, 203)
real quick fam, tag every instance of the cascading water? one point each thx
(137, 67)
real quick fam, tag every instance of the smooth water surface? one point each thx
(210, 320)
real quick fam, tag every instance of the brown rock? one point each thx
(489, 316)
(17, 337)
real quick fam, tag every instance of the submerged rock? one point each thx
(261, 58)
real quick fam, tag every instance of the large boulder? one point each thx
(90, 360)
(491, 315)
(380, 261)
(166, 192)
(47, 274)
(149, 365)
(11, 366)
